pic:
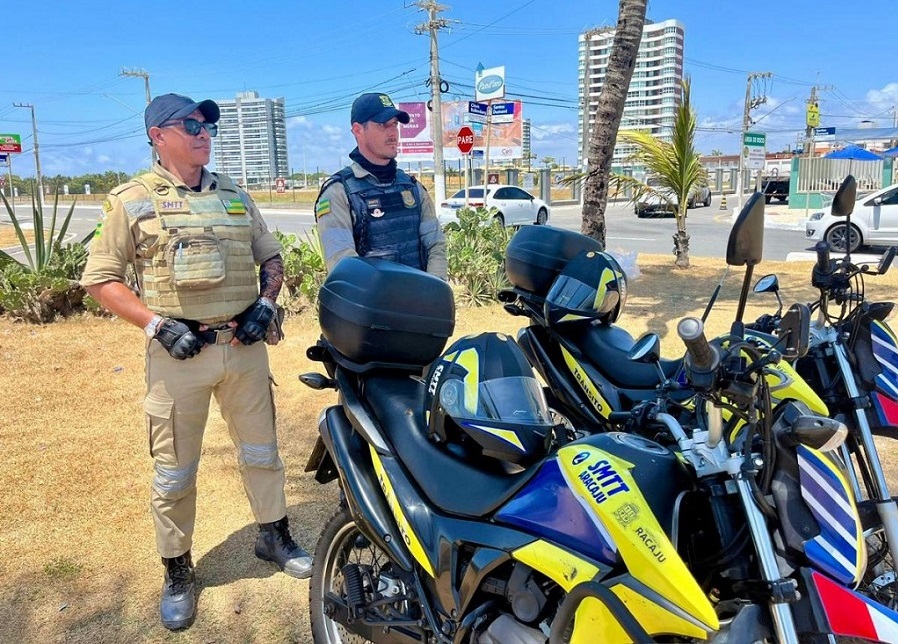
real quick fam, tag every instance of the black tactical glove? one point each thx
(252, 324)
(178, 339)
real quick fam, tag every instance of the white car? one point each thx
(874, 222)
(514, 205)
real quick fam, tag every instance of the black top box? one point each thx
(377, 313)
(536, 254)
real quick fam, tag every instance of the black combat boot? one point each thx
(178, 605)
(275, 544)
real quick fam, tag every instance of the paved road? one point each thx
(708, 229)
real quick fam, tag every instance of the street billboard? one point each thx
(11, 143)
(506, 135)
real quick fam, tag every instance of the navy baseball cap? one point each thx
(171, 107)
(376, 107)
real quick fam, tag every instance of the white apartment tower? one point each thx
(251, 146)
(654, 89)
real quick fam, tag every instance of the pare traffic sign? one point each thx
(465, 139)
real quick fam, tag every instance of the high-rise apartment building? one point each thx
(654, 89)
(251, 146)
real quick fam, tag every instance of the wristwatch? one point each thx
(151, 328)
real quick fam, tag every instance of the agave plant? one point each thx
(47, 241)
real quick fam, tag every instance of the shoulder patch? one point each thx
(107, 206)
(322, 208)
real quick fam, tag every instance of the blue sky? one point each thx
(65, 58)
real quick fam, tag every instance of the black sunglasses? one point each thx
(193, 127)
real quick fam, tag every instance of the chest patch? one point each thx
(171, 205)
(408, 199)
(234, 206)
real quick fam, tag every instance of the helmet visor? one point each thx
(517, 399)
(570, 293)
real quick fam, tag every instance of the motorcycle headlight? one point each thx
(817, 216)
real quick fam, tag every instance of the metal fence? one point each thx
(825, 175)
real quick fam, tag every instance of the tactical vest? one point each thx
(387, 218)
(201, 265)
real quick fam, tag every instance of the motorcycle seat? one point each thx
(607, 347)
(454, 484)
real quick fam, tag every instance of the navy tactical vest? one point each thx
(387, 218)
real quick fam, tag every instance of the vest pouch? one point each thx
(196, 261)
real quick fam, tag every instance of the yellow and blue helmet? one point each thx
(592, 286)
(482, 394)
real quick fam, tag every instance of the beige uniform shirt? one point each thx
(119, 238)
(335, 222)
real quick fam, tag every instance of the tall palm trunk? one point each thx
(610, 109)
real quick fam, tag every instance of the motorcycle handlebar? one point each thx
(692, 333)
(822, 249)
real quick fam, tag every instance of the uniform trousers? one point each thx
(177, 407)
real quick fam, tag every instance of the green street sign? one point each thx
(755, 139)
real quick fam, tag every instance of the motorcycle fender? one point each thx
(607, 488)
(359, 482)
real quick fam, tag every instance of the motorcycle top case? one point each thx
(537, 254)
(378, 312)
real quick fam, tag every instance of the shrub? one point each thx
(304, 269)
(475, 250)
(46, 284)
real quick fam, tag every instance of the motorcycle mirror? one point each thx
(767, 284)
(746, 243)
(846, 195)
(886, 260)
(647, 349)
(795, 331)
(825, 434)
(770, 284)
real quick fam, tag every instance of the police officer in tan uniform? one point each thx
(372, 208)
(194, 239)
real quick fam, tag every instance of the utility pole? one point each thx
(140, 73)
(432, 26)
(37, 156)
(751, 102)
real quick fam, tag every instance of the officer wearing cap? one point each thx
(371, 208)
(194, 239)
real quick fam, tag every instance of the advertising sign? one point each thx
(506, 137)
(415, 142)
(489, 83)
(11, 143)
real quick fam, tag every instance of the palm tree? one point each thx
(675, 165)
(609, 110)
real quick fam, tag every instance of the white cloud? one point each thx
(882, 99)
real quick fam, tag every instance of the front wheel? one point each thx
(843, 238)
(499, 218)
(340, 544)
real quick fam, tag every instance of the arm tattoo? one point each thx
(271, 277)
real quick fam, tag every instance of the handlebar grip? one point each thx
(822, 249)
(692, 333)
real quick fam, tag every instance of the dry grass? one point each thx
(8, 237)
(79, 561)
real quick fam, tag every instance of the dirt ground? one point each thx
(78, 556)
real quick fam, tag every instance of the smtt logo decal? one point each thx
(602, 481)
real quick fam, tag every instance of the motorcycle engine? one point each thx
(506, 628)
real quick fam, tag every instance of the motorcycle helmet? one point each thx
(482, 396)
(592, 286)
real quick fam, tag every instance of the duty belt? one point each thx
(216, 335)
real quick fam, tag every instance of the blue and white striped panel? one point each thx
(838, 549)
(887, 354)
